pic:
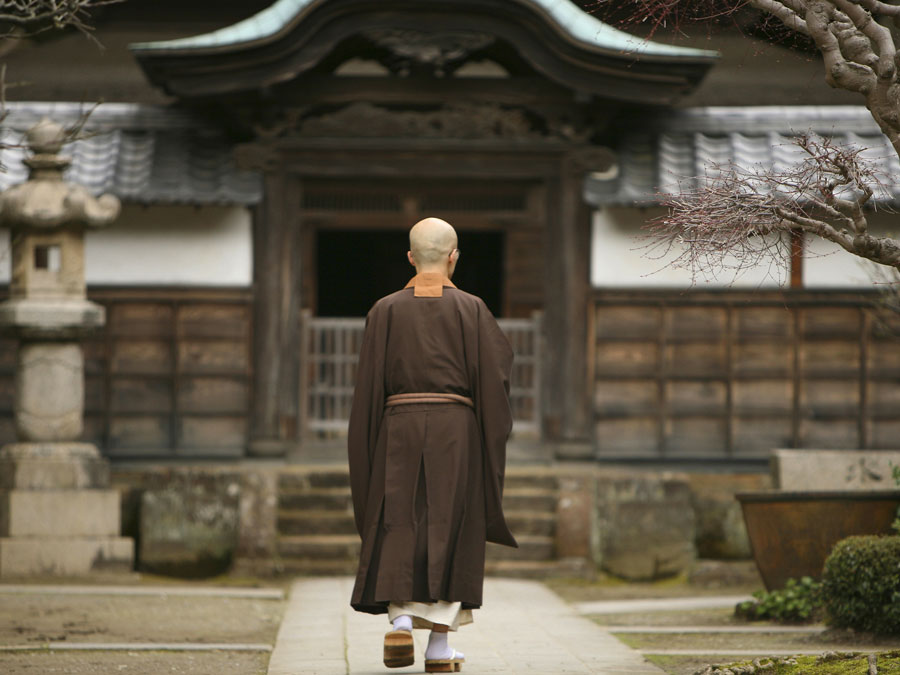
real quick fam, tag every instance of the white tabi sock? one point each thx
(403, 622)
(438, 647)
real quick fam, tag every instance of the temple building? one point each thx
(271, 157)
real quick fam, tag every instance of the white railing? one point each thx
(331, 350)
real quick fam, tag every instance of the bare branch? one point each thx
(788, 12)
(30, 17)
(874, 32)
(737, 217)
(880, 8)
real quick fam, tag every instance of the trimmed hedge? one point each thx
(861, 584)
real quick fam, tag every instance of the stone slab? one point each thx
(54, 466)
(834, 469)
(53, 513)
(72, 557)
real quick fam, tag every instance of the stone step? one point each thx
(327, 478)
(273, 566)
(539, 569)
(304, 479)
(59, 513)
(64, 556)
(529, 499)
(346, 547)
(316, 499)
(531, 547)
(319, 547)
(310, 522)
(530, 479)
(312, 567)
(531, 523)
(338, 499)
(315, 522)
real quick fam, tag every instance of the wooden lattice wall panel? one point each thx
(732, 375)
(169, 375)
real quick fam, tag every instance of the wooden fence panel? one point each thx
(733, 375)
(168, 376)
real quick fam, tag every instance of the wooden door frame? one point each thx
(532, 214)
(279, 235)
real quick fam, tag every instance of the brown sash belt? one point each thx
(407, 399)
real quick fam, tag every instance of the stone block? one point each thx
(49, 391)
(59, 513)
(257, 531)
(189, 527)
(574, 517)
(834, 469)
(52, 466)
(721, 533)
(646, 526)
(68, 557)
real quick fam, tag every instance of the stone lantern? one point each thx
(57, 513)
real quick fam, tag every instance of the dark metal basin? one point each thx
(792, 533)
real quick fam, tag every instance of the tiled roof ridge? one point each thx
(21, 115)
(664, 155)
(582, 27)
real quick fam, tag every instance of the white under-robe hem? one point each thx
(426, 614)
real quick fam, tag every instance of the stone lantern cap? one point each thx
(45, 200)
(48, 215)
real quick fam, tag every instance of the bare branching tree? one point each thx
(826, 194)
(739, 217)
(20, 18)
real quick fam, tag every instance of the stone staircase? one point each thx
(316, 534)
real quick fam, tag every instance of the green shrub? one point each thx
(797, 602)
(861, 584)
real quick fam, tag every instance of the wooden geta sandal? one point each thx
(451, 665)
(398, 649)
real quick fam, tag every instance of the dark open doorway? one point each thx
(356, 267)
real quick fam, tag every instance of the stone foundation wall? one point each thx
(640, 525)
(198, 520)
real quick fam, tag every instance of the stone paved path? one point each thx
(523, 628)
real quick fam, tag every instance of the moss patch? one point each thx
(857, 664)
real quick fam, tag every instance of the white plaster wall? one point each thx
(620, 257)
(827, 265)
(166, 245)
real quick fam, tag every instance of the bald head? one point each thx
(431, 242)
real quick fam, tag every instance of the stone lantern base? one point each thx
(58, 516)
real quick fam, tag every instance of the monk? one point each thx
(427, 452)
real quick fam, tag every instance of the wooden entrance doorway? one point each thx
(356, 237)
(354, 268)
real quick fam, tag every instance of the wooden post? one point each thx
(566, 377)
(277, 301)
(796, 258)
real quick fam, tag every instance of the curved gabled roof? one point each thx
(580, 26)
(559, 40)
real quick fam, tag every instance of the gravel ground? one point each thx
(134, 663)
(33, 620)
(719, 579)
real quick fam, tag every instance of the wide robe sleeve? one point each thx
(491, 395)
(366, 412)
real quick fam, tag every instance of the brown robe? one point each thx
(427, 478)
